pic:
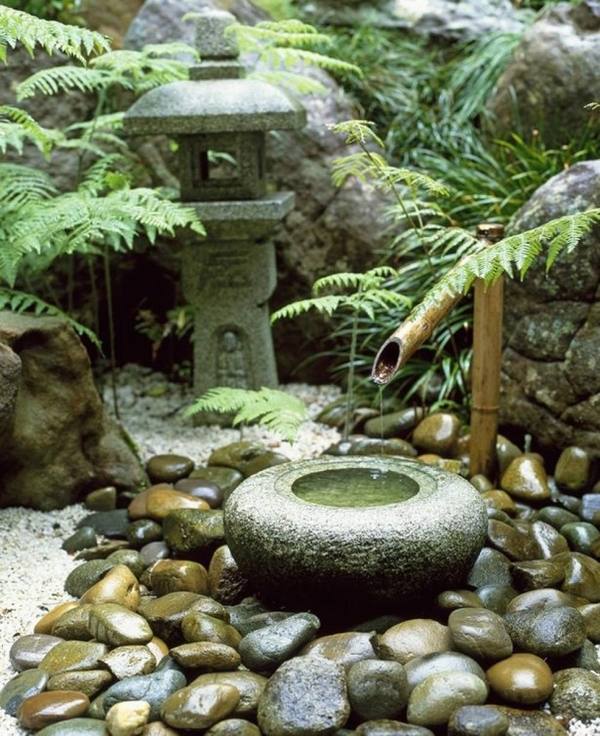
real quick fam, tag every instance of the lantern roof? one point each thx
(215, 99)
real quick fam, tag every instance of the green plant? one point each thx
(367, 296)
(62, 10)
(178, 323)
(276, 410)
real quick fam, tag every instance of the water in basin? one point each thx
(355, 487)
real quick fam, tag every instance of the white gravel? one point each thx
(32, 565)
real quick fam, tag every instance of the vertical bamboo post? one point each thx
(485, 372)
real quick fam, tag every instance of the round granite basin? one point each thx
(344, 530)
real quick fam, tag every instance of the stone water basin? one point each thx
(339, 530)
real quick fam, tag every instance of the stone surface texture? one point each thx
(552, 70)
(450, 20)
(550, 379)
(286, 546)
(61, 443)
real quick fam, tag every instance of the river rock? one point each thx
(57, 439)
(529, 722)
(249, 685)
(45, 624)
(107, 523)
(198, 626)
(86, 575)
(387, 727)
(226, 584)
(88, 682)
(154, 689)
(450, 600)
(129, 661)
(190, 530)
(76, 727)
(19, 688)
(227, 479)
(127, 719)
(572, 472)
(116, 625)
(206, 655)
(396, 424)
(46, 708)
(169, 576)
(480, 633)
(576, 694)
(265, 649)
(306, 696)
(415, 638)
(420, 668)
(555, 516)
(478, 720)
(165, 614)
(199, 706)
(548, 633)
(544, 598)
(29, 650)
(131, 558)
(512, 542)
(203, 489)
(83, 538)
(437, 434)
(433, 701)
(490, 568)
(547, 540)
(233, 727)
(580, 536)
(102, 499)
(345, 648)
(523, 679)
(163, 501)
(168, 468)
(581, 575)
(143, 531)
(591, 619)
(119, 585)
(496, 598)
(73, 655)
(359, 446)
(525, 478)
(535, 574)
(377, 689)
(154, 551)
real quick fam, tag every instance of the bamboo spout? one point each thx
(416, 329)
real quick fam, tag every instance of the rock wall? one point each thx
(57, 441)
(551, 361)
(448, 20)
(552, 75)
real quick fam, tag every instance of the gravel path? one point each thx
(32, 565)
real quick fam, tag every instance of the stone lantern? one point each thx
(220, 121)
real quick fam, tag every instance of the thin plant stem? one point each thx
(350, 378)
(111, 331)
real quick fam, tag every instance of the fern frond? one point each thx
(276, 410)
(21, 302)
(301, 84)
(62, 79)
(391, 176)
(22, 184)
(324, 305)
(31, 32)
(563, 233)
(357, 132)
(364, 166)
(18, 126)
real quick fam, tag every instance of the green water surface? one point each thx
(355, 487)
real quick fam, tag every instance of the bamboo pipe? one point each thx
(412, 333)
(485, 369)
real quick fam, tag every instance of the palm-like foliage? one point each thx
(276, 410)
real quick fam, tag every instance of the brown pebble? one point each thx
(50, 707)
(524, 679)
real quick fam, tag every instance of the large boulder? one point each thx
(111, 17)
(553, 73)
(449, 20)
(330, 229)
(550, 366)
(57, 441)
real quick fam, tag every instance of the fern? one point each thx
(517, 251)
(30, 32)
(273, 409)
(21, 302)
(18, 127)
